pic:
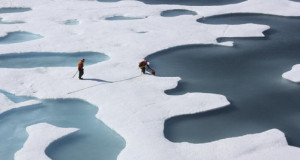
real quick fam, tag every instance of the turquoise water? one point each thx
(118, 18)
(93, 141)
(248, 74)
(18, 37)
(177, 12)
(13, 10)
(49, 59)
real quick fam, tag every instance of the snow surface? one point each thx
(134, 106)
(294, 74)
(39, 138)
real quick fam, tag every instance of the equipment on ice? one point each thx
(75, 74)
(153, 72)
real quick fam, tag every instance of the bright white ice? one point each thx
(135, 108)
(294, 74)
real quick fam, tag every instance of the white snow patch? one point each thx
(294, 74)
(274, 153)
(40, 136)
(227, 43)
(252, 144)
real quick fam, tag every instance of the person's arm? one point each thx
(149, 67)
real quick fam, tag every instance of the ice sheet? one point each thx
(133, 105)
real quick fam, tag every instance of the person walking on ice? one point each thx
(143, 66)
(80, 68)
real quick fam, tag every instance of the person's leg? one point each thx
(80, 73)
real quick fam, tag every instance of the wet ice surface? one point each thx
(193, 2)
(16, 99)
(94, 140)
(108, 0)
(49, 59)
(15, 22)
(18, 37)
(177, 12)
(248, 74)
(118, 18)
(71, 22)
(13, 10)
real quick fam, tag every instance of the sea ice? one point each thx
(10, 22)
(134, 106)
(71, 22)
(34, 147)
(7, 104)
(293, 74)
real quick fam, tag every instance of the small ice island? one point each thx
(117, 113)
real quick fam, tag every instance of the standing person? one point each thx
(143, 66)
(80, 68)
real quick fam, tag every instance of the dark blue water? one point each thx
(248, 74)
(193, 2)
(49, 59)
(177, 12)
(18, 37)
(13, 10)
(93, 141)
